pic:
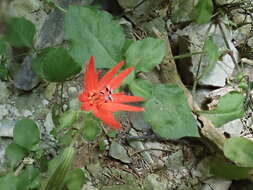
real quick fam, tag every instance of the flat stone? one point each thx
(153, 181)
(175, 160)
(6, 128)
(118, 152)
(217, 74)
(4, 92)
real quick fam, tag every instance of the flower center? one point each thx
(100, 97)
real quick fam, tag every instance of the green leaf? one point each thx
(55, 65)
(142, 88)
(67, 119)
(2, 46)
(8, 182)
(28, 179)
(91, 129)
(66, 139)
(211, 50)
(26, 133)
(203, 11)
(173, 118)
(3, 72)
(75, 179)
(55, 182)
(93, 32)
(181, 11)
(227, 170)
(102, 145)
(15, 153)
(145, 54)
(230, 107)
(239, 150)
(112, 133)
(20, 32)
(212, 53)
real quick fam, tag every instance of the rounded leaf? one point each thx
(15, 153)
(8, 182)
(26, 133)
(75, 179)
(239, 150)
(91, 130)
(94, 32)
(173, 118)
(145, 54)
(141, 88)
(55, 65)
(20, 32)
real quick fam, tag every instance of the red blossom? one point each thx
(98, 95)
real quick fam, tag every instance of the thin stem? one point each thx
(187, 55)
(61, 103)
(228, 47)
(198, 69)
(56, 6)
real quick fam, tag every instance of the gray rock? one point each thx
(96, 170)
(50, 91)
(153, 181)
(4, 111)
(217, 184)
(223, 2)
(118, 152)
(49, 124)
(175, 160)
(4, 95)
(138, 122)
(138, 145)
(6, 128)
(25, 79)
(74, 104)
(182, 10)
(217, 73)
(3, 145)
(234, 128)
(154, 145)
(242, 34)
(72, 91)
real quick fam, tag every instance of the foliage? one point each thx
(85, 28)
(173, 118)
(203, 11)
(55, 65)
(89, 31)
(145, 54)
(230, 107)
(20, 32)
(238, 149)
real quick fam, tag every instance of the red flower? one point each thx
(98, 94)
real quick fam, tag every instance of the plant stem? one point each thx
(228, 47)
(61, 103)
(187, 55)
(198, 69)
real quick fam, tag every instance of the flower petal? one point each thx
(82, 97)
(91, 76)
(116, 81)
(121, 98)
(109, 75)
(86, 106)
(113, 107)
(108, 118)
